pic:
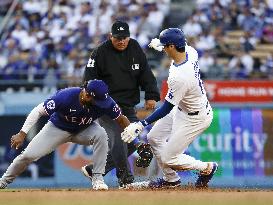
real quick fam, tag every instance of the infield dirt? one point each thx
(129, 197)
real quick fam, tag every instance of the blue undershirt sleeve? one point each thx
(158, 113)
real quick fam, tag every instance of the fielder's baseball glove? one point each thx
(145, 155)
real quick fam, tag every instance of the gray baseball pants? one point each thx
(50, 137)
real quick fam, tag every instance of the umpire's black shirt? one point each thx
(125, 72)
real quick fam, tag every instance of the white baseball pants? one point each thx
(171, 136)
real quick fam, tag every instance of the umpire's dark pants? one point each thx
(118, 150)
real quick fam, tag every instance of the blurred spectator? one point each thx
(258, 7)
(19, 18)
(34, 6)
(241, 65)
(28, 41)
(268, 33)
(269, 4)
(216, 70)
(222, 49)
(200, 16)
(19, 32)
(192, 28)
(51, 77)
(205, 41)
(233, 14)
(254, 17)
(75, 73)
(162, 72)
(205, 62)
(257, 72)
(204, 4)
(34, 67)
(246, 20)
(155, 16)
(55, 29)
(248, 42)
(267, 67)
(215, 14)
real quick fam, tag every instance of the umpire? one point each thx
(122, 64)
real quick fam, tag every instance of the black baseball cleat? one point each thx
(124, 177)
(87, 171)
(203, 179)
(125, 182)
(161, 184)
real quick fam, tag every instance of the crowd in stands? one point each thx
(49, 41)
(207, 30)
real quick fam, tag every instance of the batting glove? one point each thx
(131, 132)
(155, 44)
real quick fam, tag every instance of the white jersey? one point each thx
(186, 89)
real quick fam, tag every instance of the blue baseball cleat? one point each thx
(161, 184)
(203, 179)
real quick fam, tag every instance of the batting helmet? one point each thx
(173, 36)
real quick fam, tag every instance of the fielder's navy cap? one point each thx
(99, 90)
(120, 29)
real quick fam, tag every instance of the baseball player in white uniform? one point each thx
(184, 115)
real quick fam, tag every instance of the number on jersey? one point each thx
(91, 63)
(197, 75)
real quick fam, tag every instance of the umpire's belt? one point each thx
(190, 113)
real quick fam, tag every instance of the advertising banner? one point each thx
(69, 158)
(234, 91)
(240, 140)
(239, 91)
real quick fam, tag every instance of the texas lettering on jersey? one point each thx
(79, 120)
(67, 113)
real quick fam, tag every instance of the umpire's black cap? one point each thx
(120, 29)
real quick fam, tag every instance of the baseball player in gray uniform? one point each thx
(72, 113)
(184, 115)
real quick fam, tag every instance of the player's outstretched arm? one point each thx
(134, 129)
(123, 121)
(18, 139)
(33, 117)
